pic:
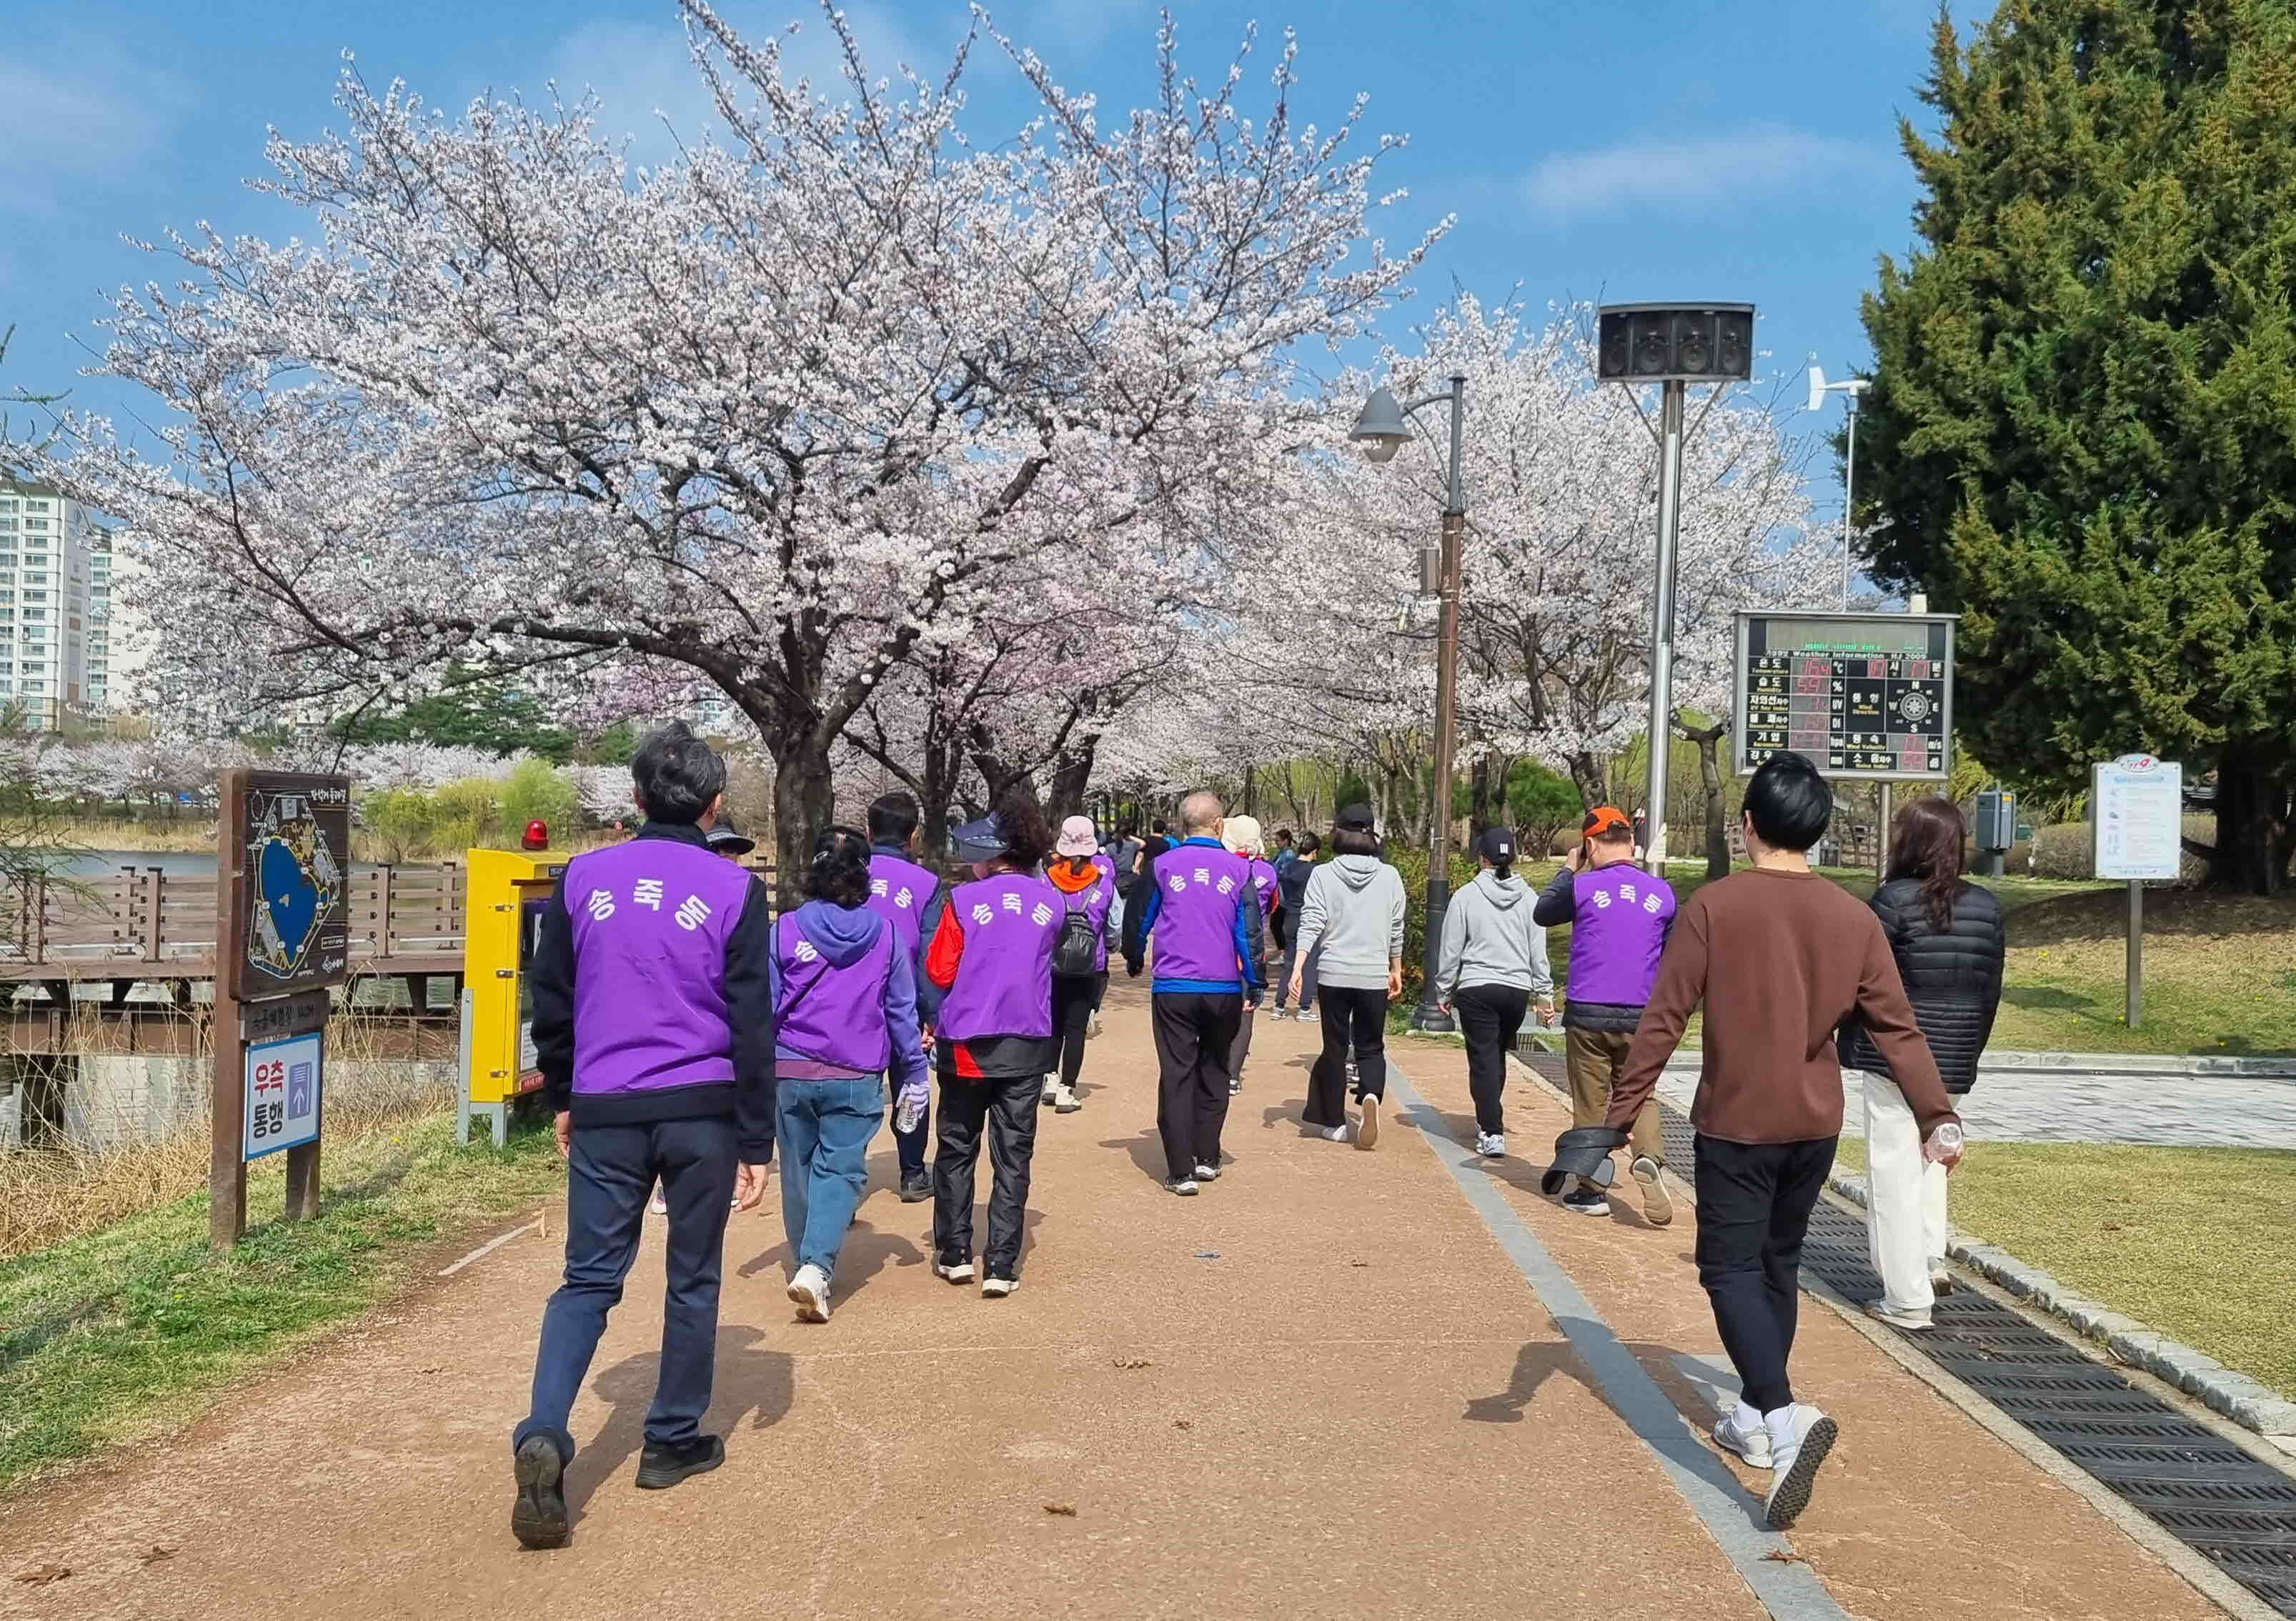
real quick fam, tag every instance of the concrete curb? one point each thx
(2245, 1402)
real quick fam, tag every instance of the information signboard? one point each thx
(1864, 695)
(290, 834)
(283, 1081)
(2136, 807)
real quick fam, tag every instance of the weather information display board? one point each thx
(1862, 694)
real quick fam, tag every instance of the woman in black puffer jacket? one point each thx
(1948, 940)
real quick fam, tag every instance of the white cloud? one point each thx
(73, 114)
(1698, 173)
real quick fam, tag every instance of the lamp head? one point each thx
(1381, 429)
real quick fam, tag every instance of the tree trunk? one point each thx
(2254, 831)
(1486, 793)
(803, 805)
(1591, 773)
(1071, 775)
(1709, 740)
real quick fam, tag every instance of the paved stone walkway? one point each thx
(2007, 1106)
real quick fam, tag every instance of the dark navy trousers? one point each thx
(610, 1170)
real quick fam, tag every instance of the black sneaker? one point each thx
(539, 1517)
(1586, 1201)
(916, 1187)
(661, 1467)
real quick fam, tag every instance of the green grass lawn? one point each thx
(2220, 970)
(108, 1336)
(2198, 1242)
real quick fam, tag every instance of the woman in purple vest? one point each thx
(845, 1012)
(1241, 834)
(992, 958)
(1088, 884)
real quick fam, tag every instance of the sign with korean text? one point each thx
(2137, 811)
(1862, 696)
(285, 1078)
(288, 836)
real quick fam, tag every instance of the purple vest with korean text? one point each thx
(1005, 977)
(835, 1015)
(650, 920)
(899, 891)
(1617, 935)
(1195, 920)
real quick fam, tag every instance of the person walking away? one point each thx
(1292, 888)
(1121, 854)
(1779, 958)
(1620, 917)
(909, 897)
(1284, 854)
(992, 958)
(1949, 940)
(726, 840)
(1197, 904)
(653, 1028)
(1087, 887)
(1491, 966)
(1352, 914)
(1241, 834)
(845, 1015)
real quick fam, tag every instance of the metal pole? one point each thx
(1661, 669)
(2136, 952)
(1848, 498)
(1882, 833)
(1429, 1016)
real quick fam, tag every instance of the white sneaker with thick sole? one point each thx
(1052, 1088)
(1208, 1173)
(1092, 1026)
(1066, 1102)
(1658, 1205)
(959, 1271)
(997, 1289)
(1338, 1133)
(1368, 1128)
(1911, 1322)
(1751, 1444)
(1491, 1145)
(810, 1289)
(1185, 1188)
(1807, 1437)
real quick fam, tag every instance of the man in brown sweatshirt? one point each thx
(1779, 957)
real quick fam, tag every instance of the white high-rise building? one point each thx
(55, 609)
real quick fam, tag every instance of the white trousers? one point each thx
(1905, 1219)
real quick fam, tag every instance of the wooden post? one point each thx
(2136, 952)
(383, 912)
(226, 1158)
(155, 893)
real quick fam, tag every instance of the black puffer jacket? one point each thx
(1953, 979)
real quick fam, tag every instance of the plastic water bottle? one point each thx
(908, 1110)
(1944, 1143)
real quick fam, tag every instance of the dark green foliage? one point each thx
(1541, 804)
(471, 711)
(2082, 433)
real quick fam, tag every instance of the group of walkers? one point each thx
(685, 1033)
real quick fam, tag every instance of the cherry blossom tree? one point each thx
(784, 415)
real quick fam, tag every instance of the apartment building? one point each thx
(55, 609)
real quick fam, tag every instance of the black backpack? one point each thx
(1077, 953)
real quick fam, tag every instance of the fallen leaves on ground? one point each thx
(1129, 1363)
(155, 1553)
(1065, 1510)
(40, 1575)
(1781, 1556)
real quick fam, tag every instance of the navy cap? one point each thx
(1496, 845)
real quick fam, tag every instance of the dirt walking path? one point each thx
(1323, 1388)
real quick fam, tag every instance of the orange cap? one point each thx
(1605, 819)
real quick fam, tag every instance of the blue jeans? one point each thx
(609, 1170)
(824, 1131)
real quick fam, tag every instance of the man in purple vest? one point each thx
(1620, 917)
(1196, 899)
(909, 897)
(653, 1028)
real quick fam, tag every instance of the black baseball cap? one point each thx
(1358, 815)
(1496, 845)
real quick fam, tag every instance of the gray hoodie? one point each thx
(1354, 910)
(1488, 938)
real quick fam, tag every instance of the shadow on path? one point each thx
(751, 1383)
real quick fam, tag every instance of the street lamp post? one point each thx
(1382, 430)
(1850, 389)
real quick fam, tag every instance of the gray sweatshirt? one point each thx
(1488, 938)
(1354, 910)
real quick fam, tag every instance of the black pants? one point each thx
(1490, 1016)
(1352, 1018)
(1754, 1201)
(1006, 1105)
(1075, 995)
(609, 1171)
(1194, 1030)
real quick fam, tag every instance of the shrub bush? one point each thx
(539, 790)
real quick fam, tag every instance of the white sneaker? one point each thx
(1338, 1133)
(1657, 1206)
(658, 1205)
(997, 1289)
(1208, 1173)
(1186, 1187)
(1800, 1436)
(1066, 1102)
(1749, 1442)
(959, 1272)
(810, 1289)
(1236, 1087)
(1367, 1128)
(1051, 1087)
(1092, 1026)
(1491, 1145)
(1911, 1322)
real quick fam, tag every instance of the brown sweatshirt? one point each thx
(1779, 959)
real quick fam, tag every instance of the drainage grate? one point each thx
(2235, 1511)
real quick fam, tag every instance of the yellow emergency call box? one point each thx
(504, 893)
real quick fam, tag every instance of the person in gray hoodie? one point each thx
(1351, 925)
(1493, 962)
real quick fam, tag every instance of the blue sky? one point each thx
(1621, 149)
